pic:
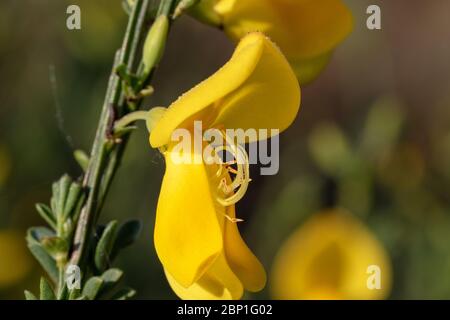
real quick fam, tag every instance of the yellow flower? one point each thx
(330, 257)
(15, 263)
(307, 31)
(196, 235)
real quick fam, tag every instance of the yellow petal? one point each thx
(189, 223)
(302, 28)
(328, 258)
(241, 260)
(269, 98)
(204, 95)
(305, 30)
(255, 89)
(218, 282)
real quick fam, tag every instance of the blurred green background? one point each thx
(373, 136)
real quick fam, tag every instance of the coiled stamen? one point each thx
(239, 185)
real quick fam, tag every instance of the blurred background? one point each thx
(373, 137)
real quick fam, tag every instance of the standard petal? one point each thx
(189, 223)
(199, 103)
(218, 283)
(268, 99)
(240, 258)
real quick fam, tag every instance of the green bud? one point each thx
(155, 43)
(82, 158)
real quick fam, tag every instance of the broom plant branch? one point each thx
(75, 239)
(100, 156)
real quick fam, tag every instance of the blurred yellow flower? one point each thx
(332, 256)
(15, 263)
(307, 31)
(196, 235)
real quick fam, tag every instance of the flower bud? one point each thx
(155, 43)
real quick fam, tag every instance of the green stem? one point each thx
(99, 154)
(107, 153)
(165, 8)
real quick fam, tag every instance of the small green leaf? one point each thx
(92, 287)
(53, 205)
(124, 294)
(46, 291)
(36, 234)
(64, 185)
(74, 294)
(104, 246)
(126, 236)
(55, 197)
(47, 214)
(113, 275)
(129, 79)
(30, 296)
(112, 279)
(34, 238)
(72, 199)
(45, 260)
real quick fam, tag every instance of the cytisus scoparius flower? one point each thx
(196, 233)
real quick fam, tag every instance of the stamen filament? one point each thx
(242, 173)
